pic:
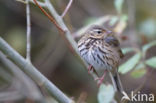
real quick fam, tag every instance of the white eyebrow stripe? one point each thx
(97, 30)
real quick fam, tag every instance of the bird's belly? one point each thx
(95, 58)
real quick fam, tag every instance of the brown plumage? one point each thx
(101, 49)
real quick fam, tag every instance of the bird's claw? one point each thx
(90, 68)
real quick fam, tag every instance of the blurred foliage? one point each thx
(151, 62)
(136, 61)
(130, 64)
(148, 28)
(118, 5)
(90, 20)
(16, 38)
(148, 46)
(139, 71)
(106, 93)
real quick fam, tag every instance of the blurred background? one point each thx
(52, 57)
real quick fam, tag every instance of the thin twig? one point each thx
(33, 73)
(40, 3)
(50, 17)
(28, 50)
(62, 32)
(67, 8)
(57, 19)
(67, 37)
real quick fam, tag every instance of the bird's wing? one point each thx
(114, 42)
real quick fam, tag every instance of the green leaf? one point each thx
(147, 46)
(106, 93)
(130, 64)
(151, 62)
(127, 50)
(118, 5)
(139, 71)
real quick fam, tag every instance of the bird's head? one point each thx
(97, 32)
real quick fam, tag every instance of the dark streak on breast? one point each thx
(83, 49)
(100, 59)
(84, 53)
(102, 51)
(81, 44)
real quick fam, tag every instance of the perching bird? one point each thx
(101, 50)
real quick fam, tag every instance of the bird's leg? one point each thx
(90, 67)
(100, 79)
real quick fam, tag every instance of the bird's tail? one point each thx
(118, 86)
(116, 82)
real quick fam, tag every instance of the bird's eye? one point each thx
(99, 32)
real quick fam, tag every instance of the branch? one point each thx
(59, 23)
(50, 17)
(61, 30)
(67, 8)
(32, 72)
(67, 37)
(30, 89)
(28, 50)
(39, 2)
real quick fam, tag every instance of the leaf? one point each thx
(106, 93)
(139, 71)
(118, 5)
(147, 27)
(127, 50)
(151, 62)
(130, 64)
(147, 46)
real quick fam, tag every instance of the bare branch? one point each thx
(10, 95)
(40, 3)
(21, 82)
(28, 49)
(67, 8)
(67, 35)
(33, 73)
(50, 17)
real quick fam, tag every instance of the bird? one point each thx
(100, 48)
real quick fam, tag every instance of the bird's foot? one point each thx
(90, 68)
(100, 79)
